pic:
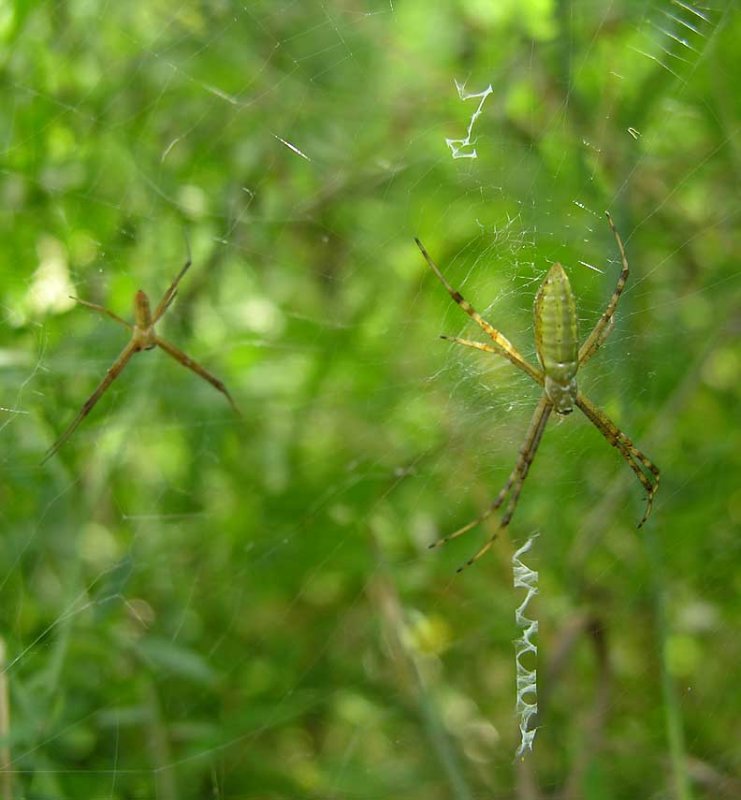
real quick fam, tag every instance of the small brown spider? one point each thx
(143, 337)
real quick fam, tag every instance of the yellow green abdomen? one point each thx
(556, 338)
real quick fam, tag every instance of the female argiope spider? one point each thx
(560, 357)
(143, 337)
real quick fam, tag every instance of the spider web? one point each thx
(197, 606)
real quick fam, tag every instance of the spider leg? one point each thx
(480, 346)
(169, 295)
(188, 362)
(514, 483)
(645, 470)
(503, 346)
(604, 325)
(110, 376)
(103, 310)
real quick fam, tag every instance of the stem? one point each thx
(673, 713)
(6, 776)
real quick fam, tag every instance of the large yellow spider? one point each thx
(560, 357)
(143, 337)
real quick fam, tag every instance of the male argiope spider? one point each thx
(143, 337)
(560, 357)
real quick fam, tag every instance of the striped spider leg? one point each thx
(143, 337)
(560, 357)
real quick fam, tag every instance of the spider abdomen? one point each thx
(143, 322)
(556, 338)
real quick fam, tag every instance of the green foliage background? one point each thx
(194, 605)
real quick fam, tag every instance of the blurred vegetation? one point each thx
(194, 605)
